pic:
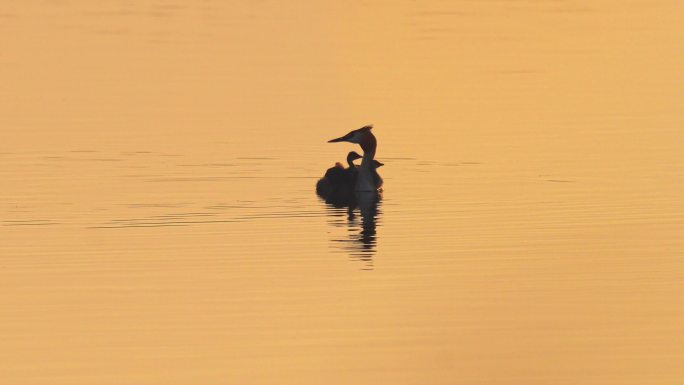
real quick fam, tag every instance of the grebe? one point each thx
(367, 179)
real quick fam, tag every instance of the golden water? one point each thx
(158, 222)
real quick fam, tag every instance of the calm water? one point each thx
(158, 221)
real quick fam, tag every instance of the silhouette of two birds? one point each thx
(343, 180)
(341, 183)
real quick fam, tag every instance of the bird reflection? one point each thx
(361, 215)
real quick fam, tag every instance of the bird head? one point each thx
(353, 155)
(355, 136)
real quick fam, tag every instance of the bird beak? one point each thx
(351, 137)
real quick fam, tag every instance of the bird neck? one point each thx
(350, 162)
(365, 180)
(367, 160)
(368, 145)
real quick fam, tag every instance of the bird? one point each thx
(367, 178)
(338, 183)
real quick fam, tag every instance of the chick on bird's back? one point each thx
(339, 181)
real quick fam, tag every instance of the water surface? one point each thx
(158, 221)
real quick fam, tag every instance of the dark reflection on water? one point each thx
(362, 212)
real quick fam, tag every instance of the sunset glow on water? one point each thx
(159, 222)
